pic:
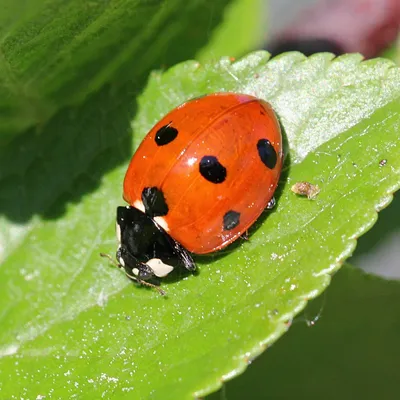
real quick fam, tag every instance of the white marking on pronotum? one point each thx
(139, 205)
(159, 268)
(135, 271)
(162, 222)
(118, 232)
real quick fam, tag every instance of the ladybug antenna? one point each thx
(141, 282)
(111, 259)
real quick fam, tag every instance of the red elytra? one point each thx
(217, 161)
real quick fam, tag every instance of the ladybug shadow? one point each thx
(177, 275)
(210, 258)
(65, 157)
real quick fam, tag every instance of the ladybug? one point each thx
(199, 179)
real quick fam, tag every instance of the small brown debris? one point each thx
(306, 189)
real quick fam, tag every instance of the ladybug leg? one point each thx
(245, 235)
(143, 271)
(144, 283)
(183, 255)
(271, 204)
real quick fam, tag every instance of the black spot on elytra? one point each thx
(231, 220)
(154, 202)
(212, 170)
(267, 153)
(165, 135)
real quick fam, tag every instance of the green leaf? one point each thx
(241, 31)
(393, 52)
(55, 53)
(73, 326)
(350, 351)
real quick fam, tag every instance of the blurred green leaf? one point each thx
(393, 52)
(55, 53)
(351, 350)
(378, 250)
(242, 30)
(73, 326)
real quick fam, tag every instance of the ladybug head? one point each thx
(145, 250)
